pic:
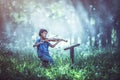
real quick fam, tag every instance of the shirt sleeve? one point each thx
(38, 40)
(49, 44)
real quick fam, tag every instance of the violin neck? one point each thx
(63, 40)
(55, 39)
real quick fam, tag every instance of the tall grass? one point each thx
(93, 65)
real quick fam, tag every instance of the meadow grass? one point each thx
(93, 65)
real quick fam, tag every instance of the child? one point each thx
(42, 45)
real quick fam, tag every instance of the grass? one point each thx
(98, 65)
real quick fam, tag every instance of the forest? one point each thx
(94, 24)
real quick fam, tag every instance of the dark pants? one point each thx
(46, 60)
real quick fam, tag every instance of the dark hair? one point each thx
(41, 31)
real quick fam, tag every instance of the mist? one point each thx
(77, 21)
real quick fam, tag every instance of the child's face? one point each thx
(43, 35)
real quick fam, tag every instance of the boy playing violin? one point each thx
(43, 44)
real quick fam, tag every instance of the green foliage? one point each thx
(96, 66)
(114, 37)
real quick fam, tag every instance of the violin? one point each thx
(55, 40)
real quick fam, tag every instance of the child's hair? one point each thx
(41, 31)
